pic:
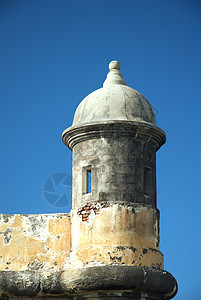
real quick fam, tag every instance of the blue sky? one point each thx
(54, 53)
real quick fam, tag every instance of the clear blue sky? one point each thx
(54, 53)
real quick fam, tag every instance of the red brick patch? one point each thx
(85, 211)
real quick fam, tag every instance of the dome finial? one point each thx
(114, 76)
(114, 65)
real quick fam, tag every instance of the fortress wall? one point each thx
(34, 242)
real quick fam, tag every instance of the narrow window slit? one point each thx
(147, 181)
(89, 181)
(86, 180)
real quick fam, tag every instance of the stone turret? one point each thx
(108, 246)
(115, 221)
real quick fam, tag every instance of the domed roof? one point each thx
(115, 101)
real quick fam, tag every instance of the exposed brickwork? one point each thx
(86, 210)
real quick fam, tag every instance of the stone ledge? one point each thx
(93, 279)
(136, 130)
(141, 279)
(29, 283)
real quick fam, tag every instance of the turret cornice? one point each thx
(115, 129)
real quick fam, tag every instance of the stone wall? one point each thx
(107, 233)
(34, 242)
(100, 250)
(122, 169)
(102, 233)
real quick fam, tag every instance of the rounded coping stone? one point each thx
(141, 279)
(92, 279)
(29, 283)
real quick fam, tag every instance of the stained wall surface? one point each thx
(103, 233)
(115, 234)
(34, 242)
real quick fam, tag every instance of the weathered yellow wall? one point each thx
(106, 233)
(34, 241)
(100, 234)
